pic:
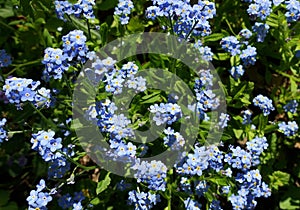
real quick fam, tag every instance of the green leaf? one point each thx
(221, 56)
(238, 133)
(279, 179)
(95, 201)
(263, 121)
(135, 25)
(291, 198)
(155, 98)
(10, 206)
(4, 197)
(220, 181)
(104, 32)
(47, 37)
(103, 184)
(107, 5)
(289, 203)
(214, 37)
(27, 7)
(6, 12)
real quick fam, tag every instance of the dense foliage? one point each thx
(254, 46)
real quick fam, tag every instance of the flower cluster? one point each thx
(247, 117)
(239, 47)
(188, 19)
(51, 150)
(293, 10)
(57, 61)
(191, 204)
(3, 132)
(264, 103)
(261, 29)
(142, 200)
(173, 139)
(248, 56)
(245, 33)
(239, 163)
(153, 173)
(123, 10)
(195, 163)
(5, 59)
(166, 113)
(251, 187)
(260, 9)
(74, 47)
(37, 198)
(58, 167)
(67, 201)
(256, 146)
(82, 7)
(224, 118)
(205, 51)
(291, 106)
(206, 99)
(237, 71)
(115, 80)
(231, 44)
(45, 143)
(289, 129)
(19, 90)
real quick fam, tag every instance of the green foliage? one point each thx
(28, 27)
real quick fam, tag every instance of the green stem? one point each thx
(77, 23)
(291, 77)
(230, 28)
(53, 125)
(89, 29)
(170, 200)
(171, 25)
(86, 168)
(7, 26)
(17, 66)
(191, 30)
(170, 181)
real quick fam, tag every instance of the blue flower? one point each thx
(261, 29)
(289, 129)
(247, 117)
(18, 90)
(237, 71)
(293, 13)
(37, 198)
(123, 10)
(152, 173)
(291, 106)
(238, 202)
(188, 19)
(231, 45)
(204, 51)
(5, 59)
(191, 204)
(142, 200)
(74, 46)
(3, 132)
(82, 7)
(55, 63)
(248, 56)
(264, 103)
(173, 139)
(245, 33)
(261, 9)
(224, 118)
(215, 205)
